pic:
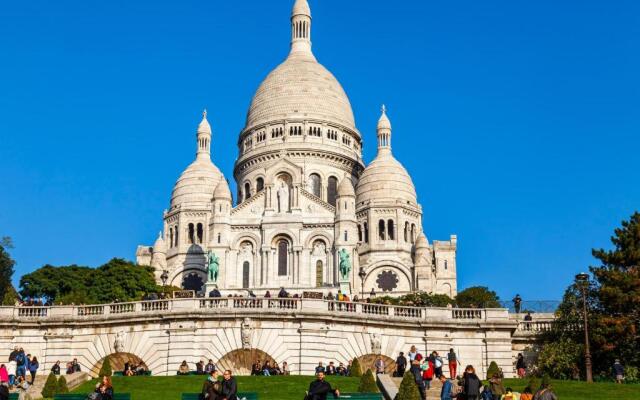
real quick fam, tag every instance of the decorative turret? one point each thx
(301, 29)
(159, 255)
(384, 132)
(204, 137)
(220, 225)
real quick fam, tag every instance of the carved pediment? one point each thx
(251, 208)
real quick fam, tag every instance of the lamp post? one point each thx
(582, 281)
(362, 275)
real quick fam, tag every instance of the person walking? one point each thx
(401, 365)
(319, 389)
(4, 375)
(521, 366)
(453, 363)
(33, 368)
(11, 371)
(437, 363)
(447, 388)
(229, 386)
(471, 384)
(545, 393)
(618, 371)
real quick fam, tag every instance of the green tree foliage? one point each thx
(533, 384)
(418, 299)
(50, 386)
(408, 389)
(116, 280)
(356, 369)
(560, 358)
(10, 297)
(105, 370)
(478, 296)
(62, 385)
(493, 370)
(368, 383)
(6, 267)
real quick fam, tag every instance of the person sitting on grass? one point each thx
(128, 369)
(200, 368)
(56, 368)
(266, 368)
(509, 394)
(341, 370)
(545, 393)
(319, 389)
(184, 368)
(526, 394)
(285, 368)
(104, 390)
(229, 387)
(212, 389)
(276, 369)
(210, 367)
(256, 369)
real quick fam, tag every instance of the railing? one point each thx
(535, 326)
(122, 308)
(33, 312)
(90, 310)
(214, 303)
(284, 304)
(532, 306)
(408, 312)
(466, 313)
(155, 305)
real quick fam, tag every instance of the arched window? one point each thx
(259, 185)
(219, 238)
(381, 234)
(332, 190)
(171, 237)
(192, 238)
(200, 233)
(406, 231)
(176, 235)
(245, 275)
(346, 236)
(315, 182)
(319, 273)
(359, 233)
(283, 256)
(247, 191)
(413, 233)
(366, 232)
(390, 230)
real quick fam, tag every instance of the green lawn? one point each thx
(170, 387)
(574, 390)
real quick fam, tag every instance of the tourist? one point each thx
(285, 368)
(437, 363)
(372, 293)
(229, 389)
(416, 371)
(56, 368)
(210, 367)
(33, 368)
(497, 389)
(128, 369)
(379, 366)
(545, 393)
(428, 371)
(412, 353)
(266, 368)
(211, 389)
(341, 370)
(401, 365)
(320, 368)
(140, 369)
(527, 321)
(331, 369)
(4, 375)
(256, 368)
(319, 389)
(618, 371)
(447, 388)
(21, 363)
(521, 366)
(453, 363)
(184, 368)
(526, 394)
(11, 371)
(267, 295)
(4, 391)
(200, 368)
(517, 303)
(75, 367)
(509, 394)
(14, 353)
(22, 383)
(348, 371)
(104, 389)
(283, 293)
(471, 383)
(276, 369)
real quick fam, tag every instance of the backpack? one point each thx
(20, 359)
(487, 395)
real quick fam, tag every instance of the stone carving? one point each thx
(345, 264)
(118, 344)
(376, 343)
(247, 249)
(387, 281)
(283, 198)
(213, 267)
(245, 333)
(319, 248)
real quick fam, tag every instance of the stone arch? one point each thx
(245, 236)
(240, 361)
(367, 361)
(182, 273)
(283, 233)
(117, 361)
(318, 235)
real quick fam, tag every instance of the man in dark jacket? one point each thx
(229, 386)
(401, 365)
(319, 389)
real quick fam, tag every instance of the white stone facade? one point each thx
(304, 194)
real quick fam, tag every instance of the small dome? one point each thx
(386, 179)
(346, 188)
(222, 191)
(159, 246)
(421, 241)
(301, 7)
(196, 184)
(383, 122)
(204, 126)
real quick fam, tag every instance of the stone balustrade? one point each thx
(234, 305)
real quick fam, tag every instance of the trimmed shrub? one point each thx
(105, 370)
(356, 369)
(62, 385)
(408, 389)
(368, 383)
(546, 379)
(493, 369)
(50, 386)
(534, 384)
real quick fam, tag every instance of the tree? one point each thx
(355, 370)
(560, 358)
(50, 386)
(105, 370)
(62, 385)
(493, 370)
(408, 389)
(6, 267)
(368, 383)
(478, 297)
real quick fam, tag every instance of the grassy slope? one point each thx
(575, 390)
(170, 387)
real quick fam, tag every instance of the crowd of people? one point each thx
(332, 369)
(19, 367)
(268, 368)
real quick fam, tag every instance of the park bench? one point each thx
(83, 396)
(361, 396)
(14, 396)
(241, 396)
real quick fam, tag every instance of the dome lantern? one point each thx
(203, 137)
(384, 131)
(301, 30)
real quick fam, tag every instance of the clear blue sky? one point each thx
(518, 120)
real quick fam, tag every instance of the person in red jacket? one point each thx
(428, 372)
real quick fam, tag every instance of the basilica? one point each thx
(309, 215)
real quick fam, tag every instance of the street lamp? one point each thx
(362, 275)
(582, 281)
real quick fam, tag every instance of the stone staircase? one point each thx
(35, 390)
(389, 387)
